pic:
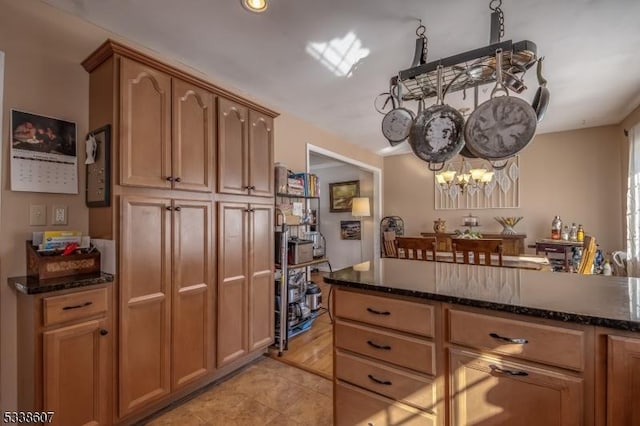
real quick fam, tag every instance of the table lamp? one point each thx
(360, 208)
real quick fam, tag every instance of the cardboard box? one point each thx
(43, 266)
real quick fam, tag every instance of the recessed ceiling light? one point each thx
(255, 5)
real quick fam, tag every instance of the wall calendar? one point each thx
(43, 154)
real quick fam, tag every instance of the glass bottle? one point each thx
(573, 234)
(606, 269)
(556, 228)
(565, 233)
(580, 234)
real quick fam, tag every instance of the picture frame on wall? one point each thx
(98, 163)
(350, 230)
(341, 195)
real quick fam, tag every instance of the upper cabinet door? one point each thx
(233, 176)
(145, 126)
(193, 137)
(261, 154)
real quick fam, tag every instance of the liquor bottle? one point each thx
(565, 233)
(580, 234)
(556, 228)
(573, 234)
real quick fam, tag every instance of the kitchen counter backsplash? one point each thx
(30, 285)
(586, 299)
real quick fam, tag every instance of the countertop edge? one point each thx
(520, 310)
(30, 286)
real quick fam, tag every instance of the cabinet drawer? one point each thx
(409, 388)
(562, 347)
(354, 406)
(398, 314)
(59, 309)
(391, 347)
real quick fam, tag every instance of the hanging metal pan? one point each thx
(436, 134)
(502, 126)
(397, 123)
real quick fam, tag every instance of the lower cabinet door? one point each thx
(490, 391)
(623, 381)
(355, 406)
(76, 374)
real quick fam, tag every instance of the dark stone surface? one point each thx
(585, 299)
(30, 285)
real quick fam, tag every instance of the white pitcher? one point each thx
(619, 263)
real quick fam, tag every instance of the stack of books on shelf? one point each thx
(303, 184)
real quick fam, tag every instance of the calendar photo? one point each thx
(43, 154)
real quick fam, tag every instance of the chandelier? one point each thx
(464, 178)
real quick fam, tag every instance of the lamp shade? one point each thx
(360, 207)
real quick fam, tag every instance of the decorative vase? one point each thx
(508, 230)
(507, 224)
(440, 226)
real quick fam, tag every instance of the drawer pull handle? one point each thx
(375, 345)
(517, 341)
(66, 308)
(496, 369)
(380, 382)
(373, 311)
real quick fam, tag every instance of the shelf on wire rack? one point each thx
(305, 264)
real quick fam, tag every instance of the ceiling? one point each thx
(590, 47)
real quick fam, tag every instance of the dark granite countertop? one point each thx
(30, 285)
(586, 299)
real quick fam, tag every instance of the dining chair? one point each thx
(416, 248)
(481, 246)
(389, 244)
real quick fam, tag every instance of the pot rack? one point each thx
(468, 69)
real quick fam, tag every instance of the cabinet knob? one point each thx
(252, 187)
(169, 208)
(177, 179)
(177, 208)
(104, 332)
(170, 178)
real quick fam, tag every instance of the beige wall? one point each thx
(574, 174)
(43, 51)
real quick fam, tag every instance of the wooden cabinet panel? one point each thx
(145, 126)
(232, 282)
(623, 381)
(400, 385)
(261, 170)
(192, 319)
(261, 285)
(72, 306)
(233, 167)
(75, 374)
(397, 314)
(395, 348)
(550, 345)
(145, 301)
(355, 406)
(193, 137)
(490, 391)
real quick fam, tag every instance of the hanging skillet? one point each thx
(541, 100)
(436, 134)
(502, 126)
(396, 124)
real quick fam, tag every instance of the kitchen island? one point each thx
(438, 343)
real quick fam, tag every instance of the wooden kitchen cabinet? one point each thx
(166, 323)
(245, 279)
(623, 380)
(166, 130)
(65, 351)
(245, 150)
(492, 391)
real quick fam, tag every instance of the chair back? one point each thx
(389, 244)
(481, 246)
(415, 248)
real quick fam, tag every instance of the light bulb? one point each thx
(255, 5)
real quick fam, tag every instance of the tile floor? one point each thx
(268, 392)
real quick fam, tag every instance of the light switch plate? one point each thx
(37, 215)
(59, 215)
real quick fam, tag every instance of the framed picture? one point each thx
(350, 230)
(98, 163)
(341, 195)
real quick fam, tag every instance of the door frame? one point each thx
(377, 188)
